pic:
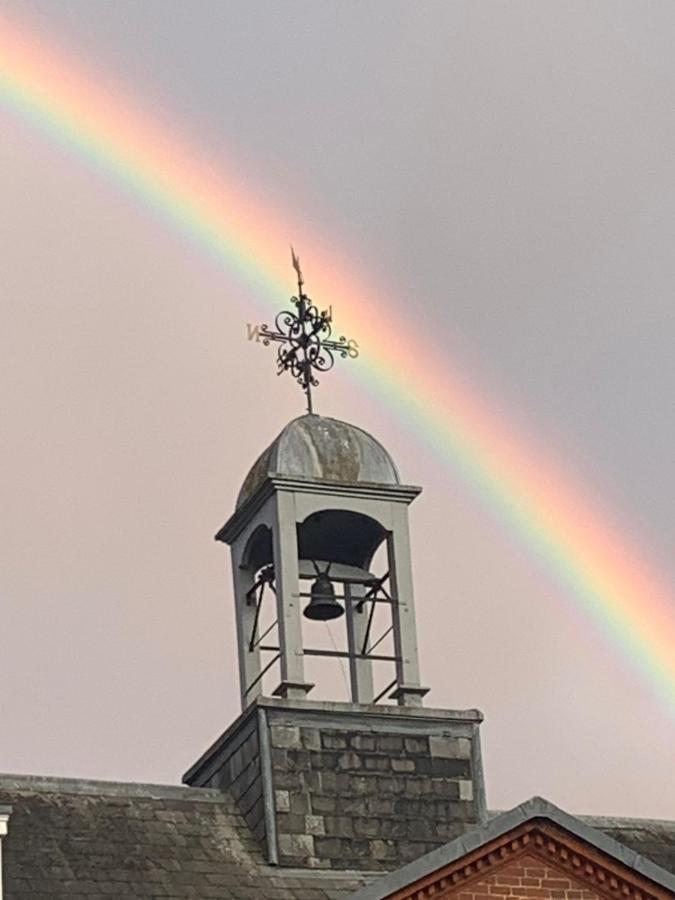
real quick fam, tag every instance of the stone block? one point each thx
(339, 826)
(290, 823)
(377, 763)
(332, 741)
(285, 736)
(362, 742)
(310, 738)
(315, 825)
(380, 806)
(297, 845)
(369, 828)
(323, 760)
(349, 760)
(380, 849)
(323, 804)
(299, 760)
(449, 747)
(313, 862)
(403, 765)
(328, 781)
(389, 743)
(465, 789)
(279, 758)
(282, 801)
(330, 847)
(300, 802)
(416, 744)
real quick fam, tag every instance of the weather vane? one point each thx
(305, 338)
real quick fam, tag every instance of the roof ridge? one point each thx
(56, 783)
(610, 821)
(625, 821)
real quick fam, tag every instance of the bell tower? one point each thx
(313, 511)
(324, 607)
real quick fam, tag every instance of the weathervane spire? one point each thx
(305, 339)
(296, 266)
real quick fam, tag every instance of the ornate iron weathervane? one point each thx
(305, 338)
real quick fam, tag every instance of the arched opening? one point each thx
(258, 551)
(340, 536)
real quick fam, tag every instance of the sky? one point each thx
(503, 174)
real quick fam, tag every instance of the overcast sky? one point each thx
(505, 173)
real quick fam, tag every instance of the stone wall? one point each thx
(368, 795)
(346, 786)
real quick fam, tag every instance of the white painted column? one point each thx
(289, 603)
(409, 692)
(249, 660)
(360, 670)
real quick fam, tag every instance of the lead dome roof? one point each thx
(324, 449)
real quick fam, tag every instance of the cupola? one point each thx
(313, 511)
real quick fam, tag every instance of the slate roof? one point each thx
(98, 839)
(651, 838)
(110, 840)
(536, 808)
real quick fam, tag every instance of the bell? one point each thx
(322, 604)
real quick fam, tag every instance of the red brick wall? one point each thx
(526, 878)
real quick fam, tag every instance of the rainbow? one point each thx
(540, 504)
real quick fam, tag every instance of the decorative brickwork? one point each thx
(527, 877)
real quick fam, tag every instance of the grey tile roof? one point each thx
(99, 840)
(651, 838)
(109, 840)
(536, 808)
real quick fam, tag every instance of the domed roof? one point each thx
(323, 449)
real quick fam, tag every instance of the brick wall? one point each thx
(526, 878)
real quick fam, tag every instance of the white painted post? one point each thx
(409, 692)
(249, 660)
(360, 670)
(289, 611)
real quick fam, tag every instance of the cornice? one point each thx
(396, 493)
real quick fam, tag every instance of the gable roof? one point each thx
(108, 839)
(536, 808)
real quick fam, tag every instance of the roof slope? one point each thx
(536, 809)
(100, 839)
(651, 838)
(321, 448)
(106, 839)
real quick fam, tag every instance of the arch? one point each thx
(258, 550)
(340, 536)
